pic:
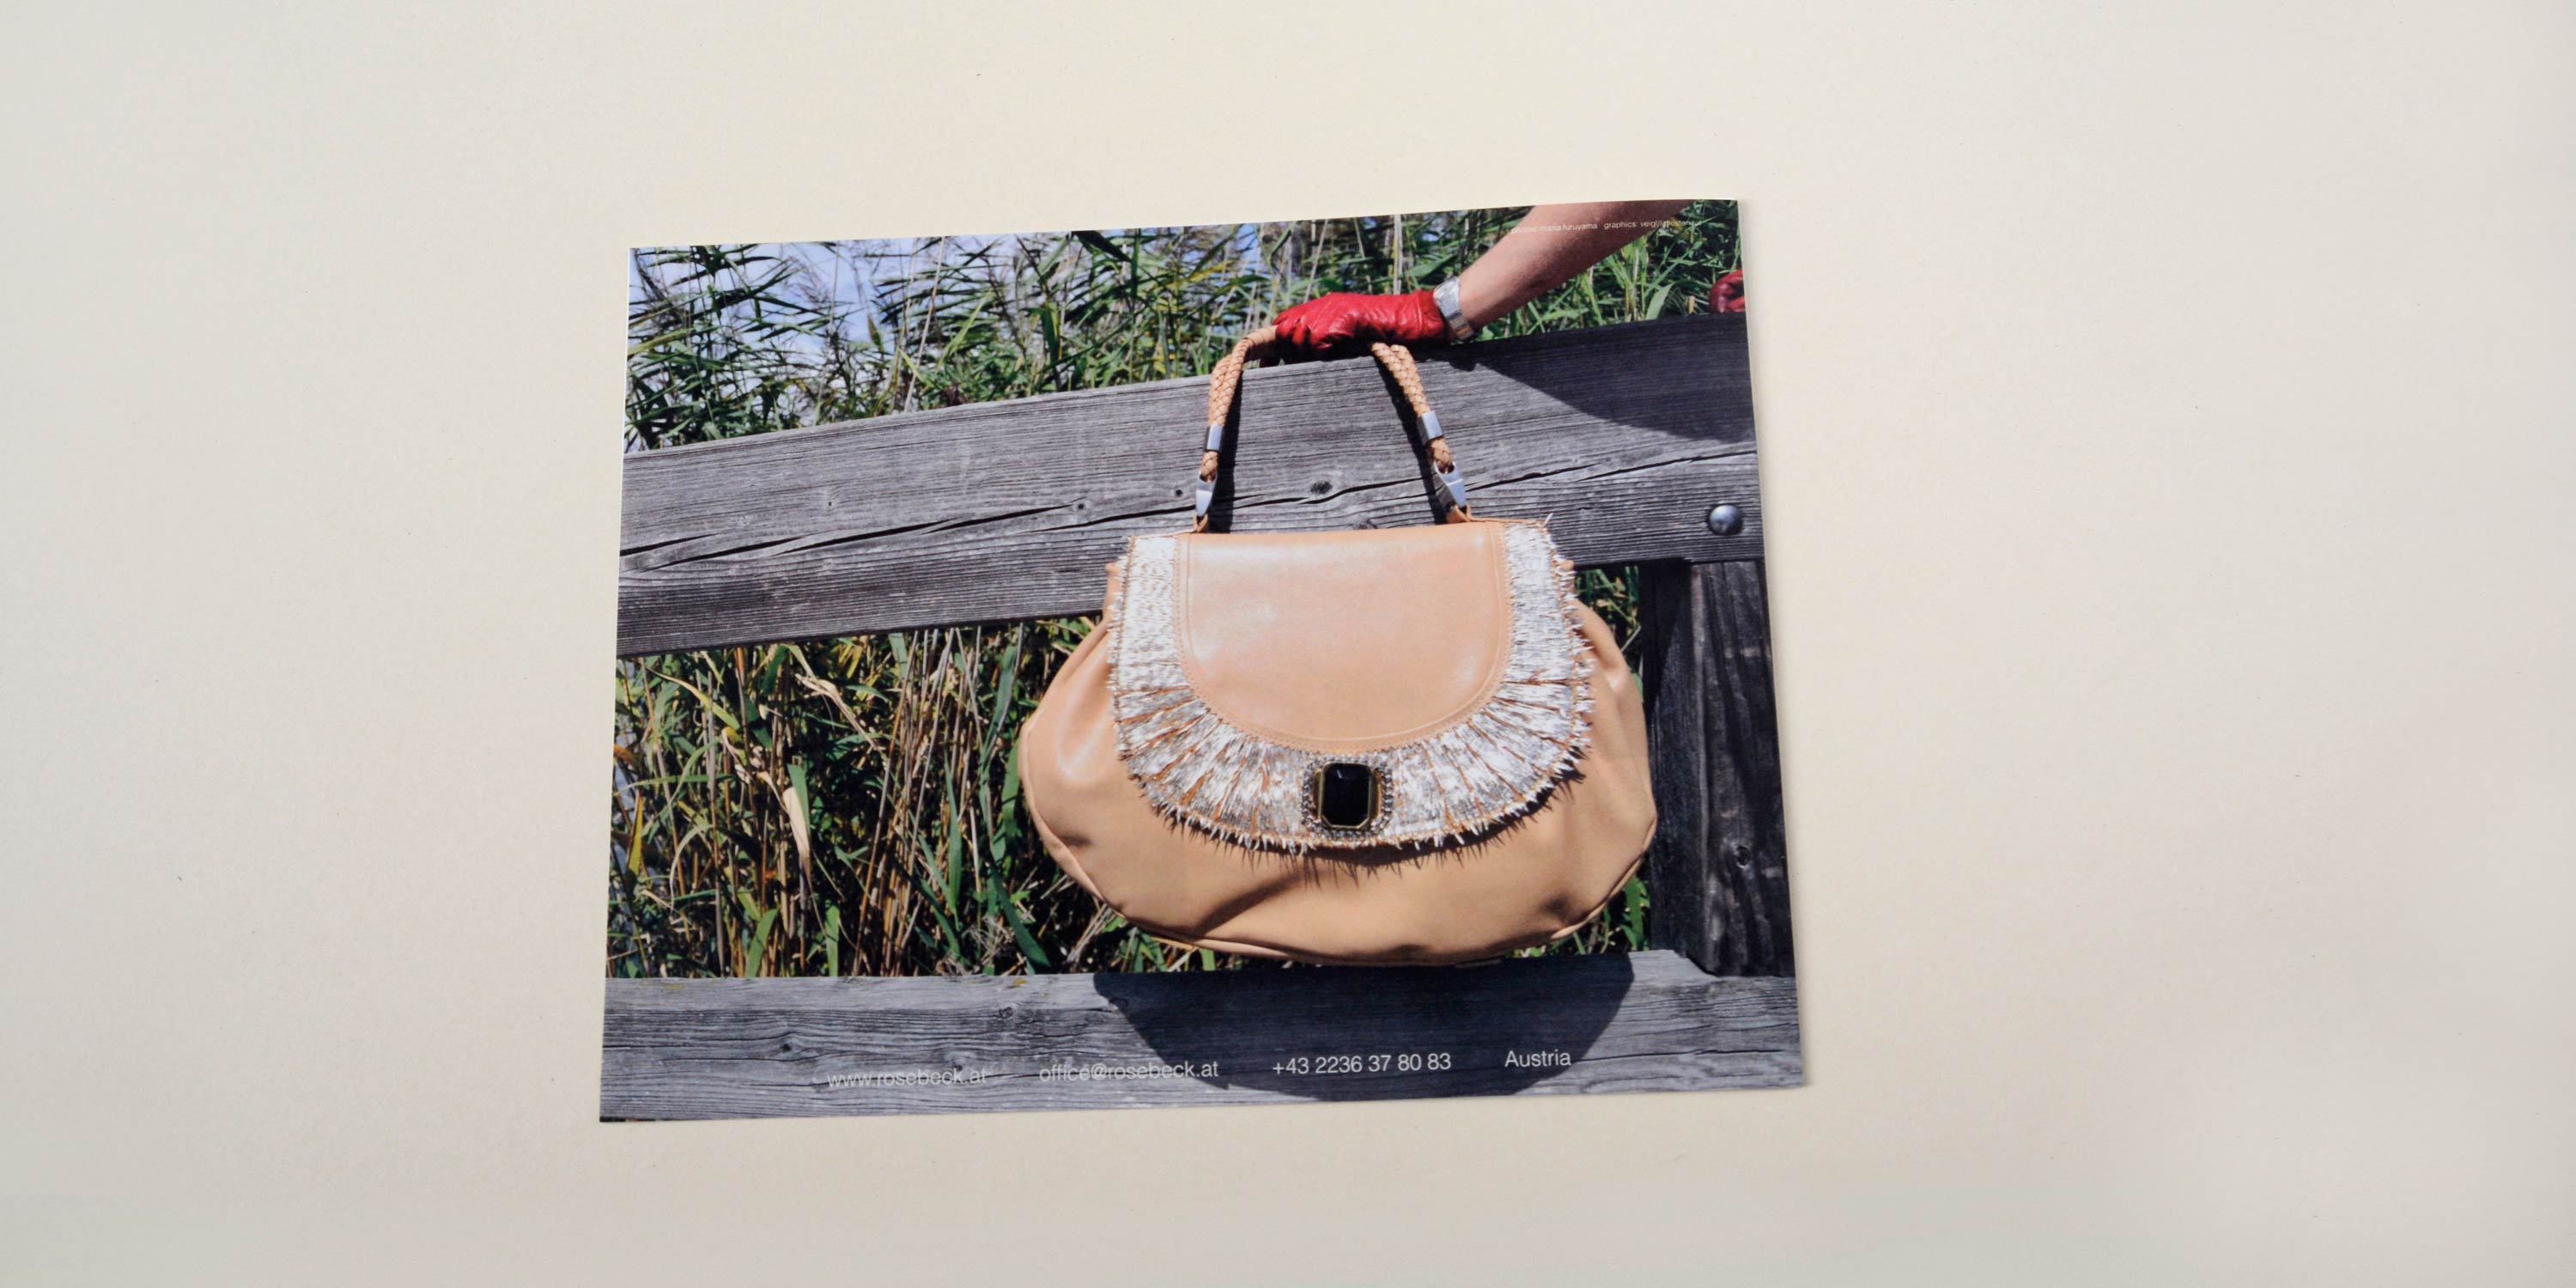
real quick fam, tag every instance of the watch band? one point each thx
(1445, 295)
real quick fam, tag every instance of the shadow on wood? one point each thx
(1471, 1017)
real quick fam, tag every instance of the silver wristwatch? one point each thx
(1446, 296)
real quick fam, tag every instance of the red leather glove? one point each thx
(1346, 320)
(1727, 296)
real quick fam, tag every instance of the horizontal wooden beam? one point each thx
(1623, 437)
(786, 1047)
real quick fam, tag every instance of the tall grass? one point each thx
(852, 806)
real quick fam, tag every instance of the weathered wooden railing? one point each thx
(1627, 439)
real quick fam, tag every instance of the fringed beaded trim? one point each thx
(1487, 768)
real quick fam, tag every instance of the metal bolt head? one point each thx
(1726, 520)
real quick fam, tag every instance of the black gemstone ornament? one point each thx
(1346, 795)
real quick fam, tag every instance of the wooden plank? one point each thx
(1719, 867)
(785, 1047)
(1622, 436)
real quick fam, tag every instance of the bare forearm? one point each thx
(1548, 247)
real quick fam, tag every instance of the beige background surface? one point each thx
(2166, 427)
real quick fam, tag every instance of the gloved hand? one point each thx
(1347, 320)
(1727, 296)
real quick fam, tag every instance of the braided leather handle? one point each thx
(1398, 362)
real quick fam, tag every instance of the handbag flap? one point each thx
(1271, 689)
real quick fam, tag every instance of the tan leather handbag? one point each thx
(1408, 745)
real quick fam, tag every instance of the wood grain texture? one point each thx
(770, 1048)
(1719, 867)
(1622, 437)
